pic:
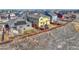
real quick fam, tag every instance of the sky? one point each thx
(39, 4)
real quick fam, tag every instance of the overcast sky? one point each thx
(40, 4)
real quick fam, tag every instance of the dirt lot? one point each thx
(63, 38)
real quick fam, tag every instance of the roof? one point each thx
(20, 23)
(37, 15)
(12, 14)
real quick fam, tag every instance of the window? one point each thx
(41, 19)
(28, 25)
(20, 26)
(46, 20)
(41, 25)
(24, 28)
(41, 22)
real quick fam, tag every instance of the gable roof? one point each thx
(37, 15)
(20, 23)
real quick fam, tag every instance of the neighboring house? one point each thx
(12, 16)
(20, 25)
(54, 18)
(39, 20)
(3, 16)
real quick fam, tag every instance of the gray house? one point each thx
(20, 25)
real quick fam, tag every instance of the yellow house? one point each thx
(39, 20)
(44, 21)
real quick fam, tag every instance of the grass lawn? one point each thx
(52, 26)
(76, 26)
(29, 31)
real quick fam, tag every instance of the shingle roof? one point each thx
(20, 23)
(37, 15)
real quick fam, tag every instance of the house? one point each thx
(12, 16)
(60, 16)
(3, 16)
(20, 25)
(54, 18)
(40, 20)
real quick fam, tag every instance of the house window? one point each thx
(20, 26)
(41, 25)
(24, 28)
(41, 22)
(41, 19)
(28, 25)
(47, 21)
